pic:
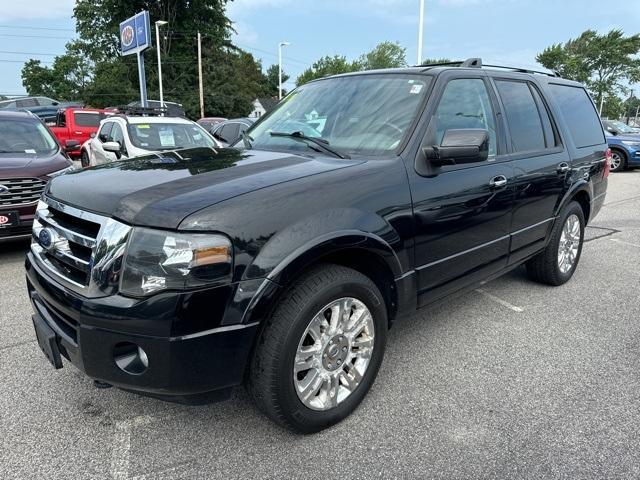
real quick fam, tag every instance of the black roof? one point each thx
(269, 103)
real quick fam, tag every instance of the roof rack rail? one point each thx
(477, 63)
(134, 111)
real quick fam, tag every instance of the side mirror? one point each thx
(113, 147)
(71, 145)
(460, 146)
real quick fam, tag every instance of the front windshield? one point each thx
(26, 136)
(360, 114)
(169, 136)
(622, 127)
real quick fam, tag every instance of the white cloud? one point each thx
(36, 9)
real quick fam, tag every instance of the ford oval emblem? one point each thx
(3, 189)
(128, 34)
(45, 239)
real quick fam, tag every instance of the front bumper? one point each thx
(181, 361)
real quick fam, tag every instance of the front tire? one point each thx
(556, 264)
(84, 159)
(618, 161)
(320, 350)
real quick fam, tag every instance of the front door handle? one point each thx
(498, 181)
(563, 167)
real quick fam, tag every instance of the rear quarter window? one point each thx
(580, 114)
(87, 119)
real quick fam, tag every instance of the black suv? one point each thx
(282, 262)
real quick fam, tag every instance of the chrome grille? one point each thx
(81, 249)
(20, 191)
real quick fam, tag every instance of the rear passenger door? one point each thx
(541, 164)
(462, 212)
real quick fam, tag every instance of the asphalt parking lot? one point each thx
(515, 380)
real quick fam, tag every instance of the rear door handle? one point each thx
(498, 181)
(563, 167)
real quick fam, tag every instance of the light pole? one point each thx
(160, 23)
(280, 45)
(420, 33)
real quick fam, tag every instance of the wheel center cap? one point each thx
(335, 353)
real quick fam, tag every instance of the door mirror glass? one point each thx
(460, 146)
(71, 145)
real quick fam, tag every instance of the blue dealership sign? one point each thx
(135, 34)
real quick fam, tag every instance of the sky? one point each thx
(507, 31)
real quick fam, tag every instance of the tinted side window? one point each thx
(87, 119)
(229, 132)
(103, 136)
(27, 102)
(116, 135)
(550, 135)
(465, 103)
(523, 118)
(580, 114)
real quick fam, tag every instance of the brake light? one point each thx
(607, 163)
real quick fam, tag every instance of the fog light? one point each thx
(130, 358)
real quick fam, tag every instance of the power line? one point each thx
(15, 27)
(32, 53)
(33, 36)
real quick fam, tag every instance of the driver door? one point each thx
(462, 212)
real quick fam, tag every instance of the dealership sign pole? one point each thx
(135, 37)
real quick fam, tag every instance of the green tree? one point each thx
(602, 62)
(271, 81)
(385, 55)
(327, 66)
(93, 68)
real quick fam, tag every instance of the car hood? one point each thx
(625, 138)
(161, 190)
(31, 165)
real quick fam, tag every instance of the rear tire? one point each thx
(618, 160)
(556, 264)
(307, 375)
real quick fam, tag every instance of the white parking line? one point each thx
(624, 243)
(122, 446)
(500, 301)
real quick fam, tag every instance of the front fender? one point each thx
(328, 232)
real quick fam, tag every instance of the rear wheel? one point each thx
(618, 161)
(556, 264)
(320, 350)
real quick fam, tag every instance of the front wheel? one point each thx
(320, 350)
(618, 161)
(84, 159)
(556, 264)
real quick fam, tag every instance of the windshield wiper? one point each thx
(320, 142)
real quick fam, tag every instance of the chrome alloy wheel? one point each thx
(334, 353)
(616, 161)
(569, 243)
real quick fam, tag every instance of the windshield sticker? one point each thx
(166, 138)
(416, 89)
(30, 150)
(143, 126)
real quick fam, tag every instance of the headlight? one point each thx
(61, 172)
(157, 260)
(631, 143)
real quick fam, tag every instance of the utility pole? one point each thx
(421, 33)
(200, 75)
(280, 45)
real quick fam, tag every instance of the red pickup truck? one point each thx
(74, 126)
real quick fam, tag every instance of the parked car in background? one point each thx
(625, 151)
(283, 262)
(208, 123)
(74, 126)
(125, 136)
(616, 127)
(44, 107)
(29, 157)
(229, 131)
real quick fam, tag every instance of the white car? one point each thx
(121, 137)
